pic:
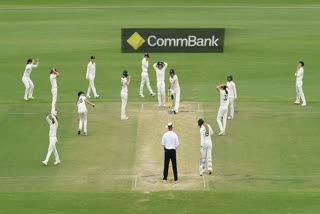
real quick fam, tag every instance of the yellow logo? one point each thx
(135, 40)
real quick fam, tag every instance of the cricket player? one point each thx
(125, 82)
(54, 88)
(83, 112)
(175, 90)
(205, 146)
(232, 91)
(170, 143)
(223, 110)
(90, 75)
(28, 94)
(145, 76)
(299, 83)
(160, 68)
(53, 122)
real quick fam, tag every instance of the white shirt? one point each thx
(53, 80)
(170, 140)
(224, 100)
(205, 134)
(53, 126)
(81, 103)
(176, 84)
(160, 73)
(91, 70)
(144, 65)
(124, 86)
(28, 69)
(299, 74)
(232, 91)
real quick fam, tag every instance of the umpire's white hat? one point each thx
(169, 125)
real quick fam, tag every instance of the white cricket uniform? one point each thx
(206, 148)
(175, 90)
(124, 96)
(160, 83)
(83, 113)
(145, 76)
(90, 75)
(54, 92)
(223, 111)
(232, 92)
(27, 81)
(299, 83)
(52, 139)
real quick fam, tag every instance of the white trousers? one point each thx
(161, 93)
(176, 95)
(206, 156)
(145, 80)
(222, 118)
(54, 92)
(29, 87)
(300, 94)
(52, 148)
(231, 105)
(124, 99)
(83, 119)
(91, 88)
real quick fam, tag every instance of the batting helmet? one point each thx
(171, 71)
(302, 63)
(200, 122)
(229, 77)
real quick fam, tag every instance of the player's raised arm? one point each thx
(90, 103)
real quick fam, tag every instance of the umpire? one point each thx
(170, 143)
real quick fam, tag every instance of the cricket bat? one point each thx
(170, 173)
(169, 99)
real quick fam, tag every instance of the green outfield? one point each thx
(268, 162)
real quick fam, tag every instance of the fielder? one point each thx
(205, 146)
(145, 76)
(90, 75)
(53, 122)
(125, 81)
(232, 95)
(160, 68)
(223, 110)
(28, 94)
(54, 89)
(299, 83)
(175, 90)
(83, 112)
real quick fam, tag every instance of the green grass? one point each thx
(267, 163)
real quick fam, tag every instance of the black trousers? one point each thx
(170, 154)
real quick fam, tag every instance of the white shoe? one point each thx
(31, 98)
(230, 118)
(176, 182)
(125, 118)
(141, 95)
(85, 133)
(44, 163)
(153, 94)
(304, 104)
(57, 162)
(201, 173)
(164, 181)
(297, 102)
(164, 105)
(97, 96)
(221, 133)
(25, 98)
(88, 96)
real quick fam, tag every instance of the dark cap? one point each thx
(146, 54)
(29, 60)
(125, 73)
(302, 63)
(80, 92)
(159, 63)
(92, 57)
(171, 71)
(200, 122)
